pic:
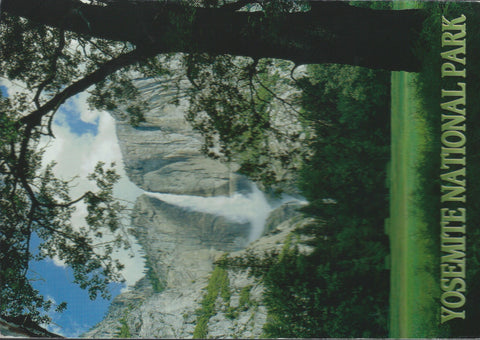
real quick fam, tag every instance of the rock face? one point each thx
(182, 244)
(283, 213)
(183, 253)
(163, 155)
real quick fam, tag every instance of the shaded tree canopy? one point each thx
(315, 32)
(126, 35)
(56, 49)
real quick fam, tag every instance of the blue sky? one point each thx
(3, 90)
(73, 121)
(55, 282)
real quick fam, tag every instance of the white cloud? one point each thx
(77, 156)
(79, 103)
(59, 263)
(12, 87)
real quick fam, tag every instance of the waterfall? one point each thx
(252, 208)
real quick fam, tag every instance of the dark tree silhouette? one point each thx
(328, 32)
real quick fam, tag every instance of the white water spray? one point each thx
(251, 208)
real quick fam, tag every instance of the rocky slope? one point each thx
(184, 264)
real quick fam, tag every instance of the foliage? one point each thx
(245, 110)
(218, 284)
(341, 289)
(355, 103)
(245, 301)
(249, 261)
(349, 166)
(372, 4)
(46, 66)
(124, 329)
(157, 285)
(48, 216)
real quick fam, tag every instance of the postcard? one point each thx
(239, 169)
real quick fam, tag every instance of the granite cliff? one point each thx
(163, 155)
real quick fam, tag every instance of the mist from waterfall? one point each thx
(252, 208)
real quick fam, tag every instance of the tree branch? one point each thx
(53, 69)
(67, 204)
(274, 95)
(29, 237)
(235, 6)
(100, 74)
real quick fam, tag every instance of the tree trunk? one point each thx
(331, 32)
